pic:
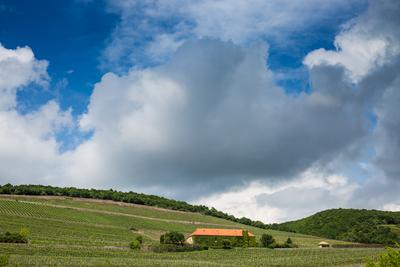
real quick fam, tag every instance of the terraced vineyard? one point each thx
(82, 232)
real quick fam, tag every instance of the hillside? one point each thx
(364, 226)
(88, 232)
(127, 197)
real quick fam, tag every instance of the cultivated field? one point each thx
(82, 232)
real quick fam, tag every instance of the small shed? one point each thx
(324, 244)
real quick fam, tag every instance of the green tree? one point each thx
(267, 240)
(391, 258)
(172, 238)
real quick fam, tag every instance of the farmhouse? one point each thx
(215, 237)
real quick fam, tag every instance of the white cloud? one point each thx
(207, 120)
(18, 68)
(28, 147)
(166, 24)
(311, 192)
(392, 207)
(357, 53)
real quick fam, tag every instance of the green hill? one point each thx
(364, 226)
(69, 231)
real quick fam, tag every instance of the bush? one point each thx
(226, 244)
(4, 260)
(140, 239)
(13, 238)
(137, 243)
(176, 248)
(289, 244)
(172, 237)
(391, 258)
(267, 241)
(24, 232)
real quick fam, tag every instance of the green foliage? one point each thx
(4, 260)
(8, 237)
(226, 244)
(217, 241)
(289, 243)
(139, 238)
(24, 232)
(391, 258)
(176, 248)
(172, 237)
(267, 241)
(246, 239)
(128, 197)
(363, 226)
(137, 243)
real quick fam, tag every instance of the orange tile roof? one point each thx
(218, 232)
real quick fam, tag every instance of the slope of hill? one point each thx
(127, 197)
(67, 231)
(364, 226)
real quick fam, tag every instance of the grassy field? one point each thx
(82, 232)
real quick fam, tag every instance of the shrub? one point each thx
(267, 241)
(13, 238)
(172, 237)
(137, 243)
(24, 232)
(176, 248)
(289, 244)
(4, 260)
(391, 258)
(226, 244)
(140, 239)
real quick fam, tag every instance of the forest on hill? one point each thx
(355, 225)
(127, 197)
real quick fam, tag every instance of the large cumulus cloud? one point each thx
(213, 117)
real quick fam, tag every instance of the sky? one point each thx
(273, 110)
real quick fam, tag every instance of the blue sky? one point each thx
(70, 35)
(234, 104)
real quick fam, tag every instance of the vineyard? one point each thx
(76, 232)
